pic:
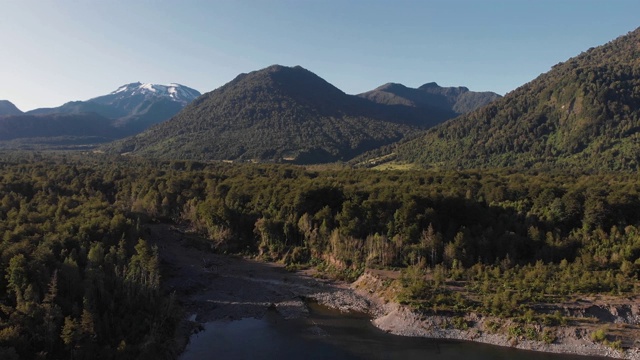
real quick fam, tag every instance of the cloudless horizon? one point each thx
(55, 51)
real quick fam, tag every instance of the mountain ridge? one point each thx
(459, 100)
(128, 110)
(583, 113)
(8, 108)
(133, 106)
(279, 113)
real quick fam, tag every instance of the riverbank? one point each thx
(401, 320)
(213, 287)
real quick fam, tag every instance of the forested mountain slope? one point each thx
(584, 113)
(38, 127)
(279, 114)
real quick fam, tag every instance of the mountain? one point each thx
(7, 108)
(279, 114)
(458, 100)
(133, 107)
(147, 104)
(126, 111)
(583, 113)
(129, 96)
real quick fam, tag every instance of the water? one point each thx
(327, 334)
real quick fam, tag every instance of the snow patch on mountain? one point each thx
(173, 91)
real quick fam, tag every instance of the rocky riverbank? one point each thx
(214, 287)
(401, 320)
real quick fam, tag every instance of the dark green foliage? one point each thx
(73, 285)
(35, 127)
(279, 114)
(450, 219)
(584, 114)
(77, 278)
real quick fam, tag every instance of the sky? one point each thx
(55, 51)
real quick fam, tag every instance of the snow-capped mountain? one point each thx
(126, 111)
(175, 92)
(132, 107)
(127, 100)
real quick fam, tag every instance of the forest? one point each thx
(582, 114)
(80, 279)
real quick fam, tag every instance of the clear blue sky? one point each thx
(54, 51)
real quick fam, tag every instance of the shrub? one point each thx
(530, 333)
(599, 335)
(492, 326)
(616, 345)
(459, 323)
(516, 331)
(548, 336)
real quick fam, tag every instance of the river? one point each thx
(328, 334)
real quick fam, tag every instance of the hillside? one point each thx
(457, 100)
(7, 108)
(27, 131)
(584, 113)
(279, 114)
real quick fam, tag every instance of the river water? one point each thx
(328, 334)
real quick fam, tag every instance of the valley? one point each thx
(543, 261)
(133, 221)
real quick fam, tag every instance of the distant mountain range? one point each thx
(60, 129)
(583, 114)
(124, 112)
(281, 114)
(457, 100)
(7, 108)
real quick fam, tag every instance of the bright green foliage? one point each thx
(599, 335)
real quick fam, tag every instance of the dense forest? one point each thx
(583, 113)
(80, 279)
